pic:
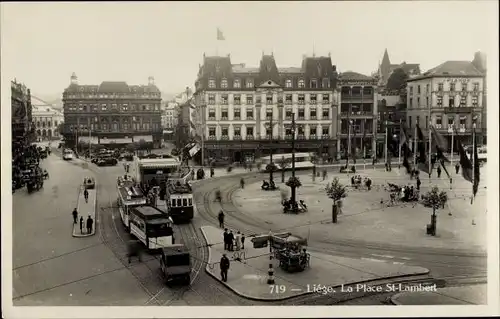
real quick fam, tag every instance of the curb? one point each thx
(388, 279)
(76, 235)
(392, 247)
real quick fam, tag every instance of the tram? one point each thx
(129, 196)
(302, 160)
(151, 226)
(179, 201)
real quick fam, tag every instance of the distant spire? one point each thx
(385, 59)
(314, 51)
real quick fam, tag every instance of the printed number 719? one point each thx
(277, 289)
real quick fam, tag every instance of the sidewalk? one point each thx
(85, 209)
(248, 278)
(466, 295)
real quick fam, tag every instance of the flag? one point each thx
(192, 125)
(441, 145)
(464, 161)
(220, 35)
(475, 184)
(353, 146)
(422, 158)
(405, 149)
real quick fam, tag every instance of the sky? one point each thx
(42, 43)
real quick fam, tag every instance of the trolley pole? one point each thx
(270, 272)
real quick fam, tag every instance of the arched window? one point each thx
(301, 84)
(223, 83)
(237, 83)
(211, 84)
(288, 83)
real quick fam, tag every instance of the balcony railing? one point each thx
(288, 102)
(313, 117)
(224, 137)
(212, 137)
(237, 137)
(249, 137)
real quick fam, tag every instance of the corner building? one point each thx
(237, 105)
(112, 114)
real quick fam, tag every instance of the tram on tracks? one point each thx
(151, 226)
(129, 196)
(179, 201)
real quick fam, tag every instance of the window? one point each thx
(237, 113)
(326, 113)
(462, 121)
(225, 131)
(409, 120)
(288, 114)
(288, 99)
(268, 131)
(313, 99)
(326, 83)
(427, 88)
(211, 131)
(211, 114)
(302, 99)
(452, 87)
(125, 107)
(418, 101)
(269, 113)
(301, 114)
(474, 101)
(418, 120)
(314, 84)
(411, 102)
(211, 99)
(451, 122)
(427, 101)
(288, 131)
(224, 115)
(463, 100)
(439, 122)
(104, 107)
(312, 131)
(249, 114)
(211, 84)
(249, 131)
(237, 99)
(440, 101)
(269, 99)
(301, 84)
(237, 83)
(476, 87)
(440, 87)
(223, 99)
(288, 83)
(249, 99)
(237, 131)
(451, 102)
(223, 84)
(464, 86)
(249, 83)
(325, 131)
(418, 89)
(411, 90)
(427, 122)
(312, 114)
(326, 98)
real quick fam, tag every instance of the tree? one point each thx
(294, 183)
(130, 147)
(397, 80)
(336, 191)
(283, 164)
(434, 199)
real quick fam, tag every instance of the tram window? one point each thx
(184, 202)
(179, 202)
(190, 202)
(173, 202)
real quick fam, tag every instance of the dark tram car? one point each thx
(179, 197)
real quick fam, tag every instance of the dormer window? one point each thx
(326, 83)
(211, 84)
(314, 84)
(223, 84)
(301, 84)
(249, 84)
(237, 83)
(288, 83)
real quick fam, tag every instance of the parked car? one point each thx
(107, 161)
(89, 183)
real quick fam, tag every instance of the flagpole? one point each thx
(430, 152)
(452, 142)
(400, 146)
(348, 144)
(415, 148)
(386, 136)
(473, 159)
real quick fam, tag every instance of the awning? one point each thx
(159, 165)
(106, 141)
(147, 138)
(194, 150)
(86, 139)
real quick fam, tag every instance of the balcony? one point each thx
(313, 117)
(313, 102)
(237, 137)
(448, 110)
(288, 102)
(237, 102)
(301, 102)
(236, 118)
(249, 137)
(301, 137)
(212, 137)
(356, 114)
(224, 137)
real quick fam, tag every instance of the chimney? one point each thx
(74, 78)
(151, 80)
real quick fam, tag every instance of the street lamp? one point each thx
(293, 158)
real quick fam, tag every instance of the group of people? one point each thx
(290, 206)
(268, 185)
(405, 193)
(233, 242)
(89, 223)
(26, 164)
(357, 181)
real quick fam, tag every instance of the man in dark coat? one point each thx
(86, 195)
(230, 240)
(439, 172)
(226, 241)
(224, 267)
(81, 224)
(90, 223)
(457, 168)
(221, 219)
(75, 215)
(418, 183)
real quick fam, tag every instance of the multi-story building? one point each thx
(359, 108)
(169, 115)
(47, 120)
(22, 118)
(245, 111)
(112, 113)
(449, 94)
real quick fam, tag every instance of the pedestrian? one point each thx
(324, 174)
(81, 224)
(75, 215)
(238, 240)
(242, 183)
(386, 167)
(90, 222)
(418, 183)
(212, 173)
(457, 168)
(242, 241)
(86, 195)
(226, 241)
(230, 240)
(224, 267)
(439, 172)
(221, 219)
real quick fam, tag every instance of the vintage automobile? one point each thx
(106, 161)
(89, 183)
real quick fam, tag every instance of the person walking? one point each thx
(81, 224)
(86, 195)
(242, 241)
(237, 240)
(75, 215)
(439, 172)
(224, 267)
(418, 183)
(242, 183)
(90, 223)
(457, 168)
(221, 219)
(226, 239)
(230, 240)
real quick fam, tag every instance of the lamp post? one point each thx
(271, 164)
(270, 272)
(293, 158)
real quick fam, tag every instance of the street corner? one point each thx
(464, 295)
(248, 272)
(85, 223)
